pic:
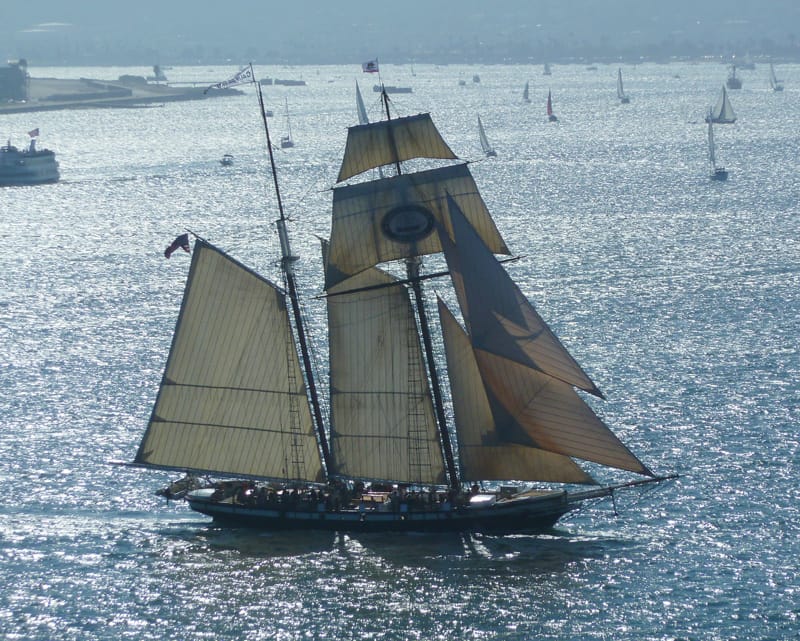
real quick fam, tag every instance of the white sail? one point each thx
(722, 112)
(712, 156)
(498, 317)
(391, 141)
(362, 110)
(529, 373)
(382, 419)
(232, 399)
(395, 218)
(774, 83)
(492, 445)
(620, 91)
(485, 144)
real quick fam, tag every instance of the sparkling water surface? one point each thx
(678, 295)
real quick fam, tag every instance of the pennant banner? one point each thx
(245, 75)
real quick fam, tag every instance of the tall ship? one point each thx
(393, 445)
(29, 166)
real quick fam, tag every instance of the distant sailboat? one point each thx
(717, 173)
(526, 93)
(287, 141)
(546, 71)
(487, 147)
(734, 81)
(551, 117)
(620, 91)
(773, 81)
(722, 112)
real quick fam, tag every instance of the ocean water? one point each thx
(679, 296)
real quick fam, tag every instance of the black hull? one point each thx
(529, 515)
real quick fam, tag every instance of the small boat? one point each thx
(717, 172)
(289, 83)
(547, 71)
(476, 79)
(462, 83)
(776, 84)
(287, 140)
(29, 166)
(722, 112)
(526, 96)
(240, 399)
(226, 160)
(391, 89)
(485, 145)
(551, 117)
(734, 81)
(620, 91)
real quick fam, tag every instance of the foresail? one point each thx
(387, 142)
(382, 419)
(396, 217)
(489, 439)
(498, 317)
(232, 399)
(723, 110)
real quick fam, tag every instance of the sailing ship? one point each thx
(620, 91)
(239, 398)
(547, 71)
(526, 96)
(722, 112)
(551, 117)
(287, 140)
(734, 81)
(29, 166)
(774, 83)
(717, 172)
(485, 144)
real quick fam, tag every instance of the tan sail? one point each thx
(383, 424)
(489, 446)
(524, 370)
(498, 317)
(232, 399)
(552, 414)
(390, 141)
(396, 218)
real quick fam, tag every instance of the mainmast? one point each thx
(287, 264)
(412, 272)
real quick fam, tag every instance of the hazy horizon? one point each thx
(180, 32)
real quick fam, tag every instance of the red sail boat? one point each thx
(551, 117)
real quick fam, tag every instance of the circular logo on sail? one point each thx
(408, 223)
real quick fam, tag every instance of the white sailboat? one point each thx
(717, 172)
(774, 83)
(620, 91)
(239, 398)
(485, 144)
(722, 112)
(287, 140)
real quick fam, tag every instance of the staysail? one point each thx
(382, 418)
(492, 445)
(232, 399)
(521, 362)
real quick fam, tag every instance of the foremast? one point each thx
(287, 265)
